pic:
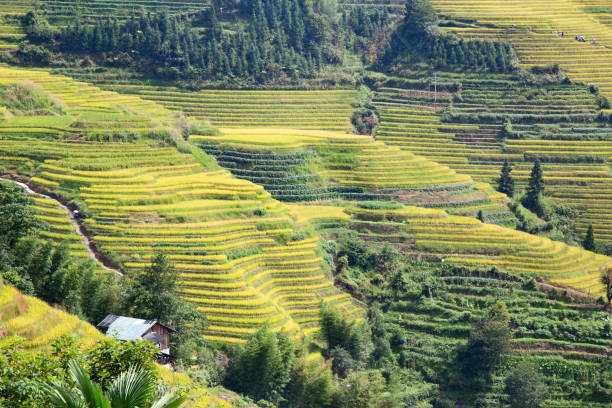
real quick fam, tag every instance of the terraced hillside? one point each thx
(568, 341)
(241, 257)
(10, 28)
(37, 322)
(85, 111)
(295, 144)
(62, 229)
(536, 38)
(556, 123)
(465, 241)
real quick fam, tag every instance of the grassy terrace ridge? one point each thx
(296, 144)
(10, 29)
(61, 12)
(61, 228)
(86, 110)
(535, 37)
(40, 325)
(466, 241)
(38, 322)
(242, 259)
(556, 123)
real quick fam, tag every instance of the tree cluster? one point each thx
(288, 37)
(46, 269)
(418, 39)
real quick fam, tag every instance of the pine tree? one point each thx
(589, 239)
(480, 216)
(536, 179)
(505, 182)
(535, 189)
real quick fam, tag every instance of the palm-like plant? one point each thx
(132, 389)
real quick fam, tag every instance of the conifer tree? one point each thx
(480, 216)
(535, 189)
(589, 239)
(505, 182)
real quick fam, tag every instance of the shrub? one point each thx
(525, 387)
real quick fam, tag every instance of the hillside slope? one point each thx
(557, 123)
(40, 325)
(535, 36)
(241, 258)
(296, 144)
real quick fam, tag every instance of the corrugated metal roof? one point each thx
(128, 328)
(108, 320)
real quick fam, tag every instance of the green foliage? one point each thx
(488, 343)
(28, 99)
(22, 371)
(109, 358)
(419, 16)
(379, 205)
(365, 389)
(589, 239)
(153, 295)
(17, 214)
(480, 216)
(311, 385)
(34, 55)
(525, 387)
(134, 388)
(418, 39)
(339, 332)
(535, 188)
(269, 41)
(505, 182)
(262, 367)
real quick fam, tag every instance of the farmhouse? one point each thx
(129, 329)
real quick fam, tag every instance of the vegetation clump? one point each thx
(28, 99)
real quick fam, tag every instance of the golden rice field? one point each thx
(317, 110)
(239, 253)
(86, 110)
(467, 241)
(11, 32)
(242, 258)
(37, 322)
(259, 130)
(535, 37)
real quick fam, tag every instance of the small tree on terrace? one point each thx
(535, 189)
(17, 214)
(606, 279)
(505, 182)
(488, 344)
(419, 15)
(525, 387)
(589, 239)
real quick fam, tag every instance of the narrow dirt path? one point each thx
(75, 223)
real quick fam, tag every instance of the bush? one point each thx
(602, 102)
(33, 55)
(525, 387)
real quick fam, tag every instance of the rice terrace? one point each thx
(306, 203)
